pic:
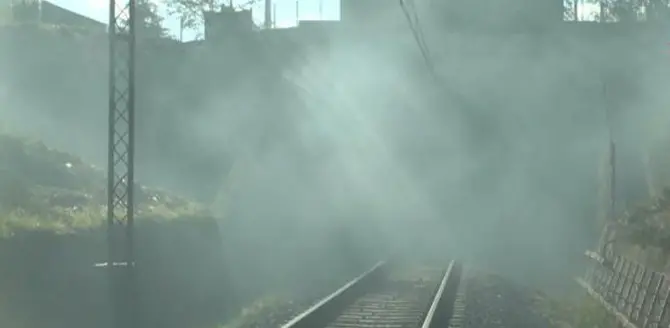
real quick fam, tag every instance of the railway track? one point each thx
(389, 295)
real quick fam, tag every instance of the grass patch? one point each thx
(45, 189)
(269, 311)
(574, 312)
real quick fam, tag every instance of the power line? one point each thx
(409, 9)
(471, 113)
(417, 22)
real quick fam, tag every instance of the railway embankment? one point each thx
(53, 232)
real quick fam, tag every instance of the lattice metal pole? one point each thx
(121, 148)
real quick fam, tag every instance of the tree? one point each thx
(625, 10)
(658, 10)
(149, 22)
(631, 10)
(571, 10)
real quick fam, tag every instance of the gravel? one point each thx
(494, 302)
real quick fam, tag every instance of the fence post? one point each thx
(614, 282)
(661, 315)
(653, 297)
(637, 296)
(618, 291)
(645, 298)
(622, 299)
(637, 284)
(605, 277)
(628, 293)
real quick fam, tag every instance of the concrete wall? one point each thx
(53, 14)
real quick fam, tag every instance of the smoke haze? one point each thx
(329, 157)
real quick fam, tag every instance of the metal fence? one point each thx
(637, 296)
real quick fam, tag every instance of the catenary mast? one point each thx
(120, 170)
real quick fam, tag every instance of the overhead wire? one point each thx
(471, 113)
(409, 8)
(412, 16)
(417, 24)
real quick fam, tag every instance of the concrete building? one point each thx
(228, 23)
(361, 11)
(56, 15)
(317, 32)
(45, 12)
(372, 17)
(498, 15)
(25, 11)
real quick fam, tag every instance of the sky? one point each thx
(285, 11)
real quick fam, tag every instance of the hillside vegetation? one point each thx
(647, 224)
(52, 215)
(43, 188)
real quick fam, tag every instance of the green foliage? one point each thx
(45, 189)
(632, 10)
(190, 12)
(621, 10)
(150, 22)
(646, 224)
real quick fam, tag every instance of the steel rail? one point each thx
(373, 299)
(441, 309)
(331, 305)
